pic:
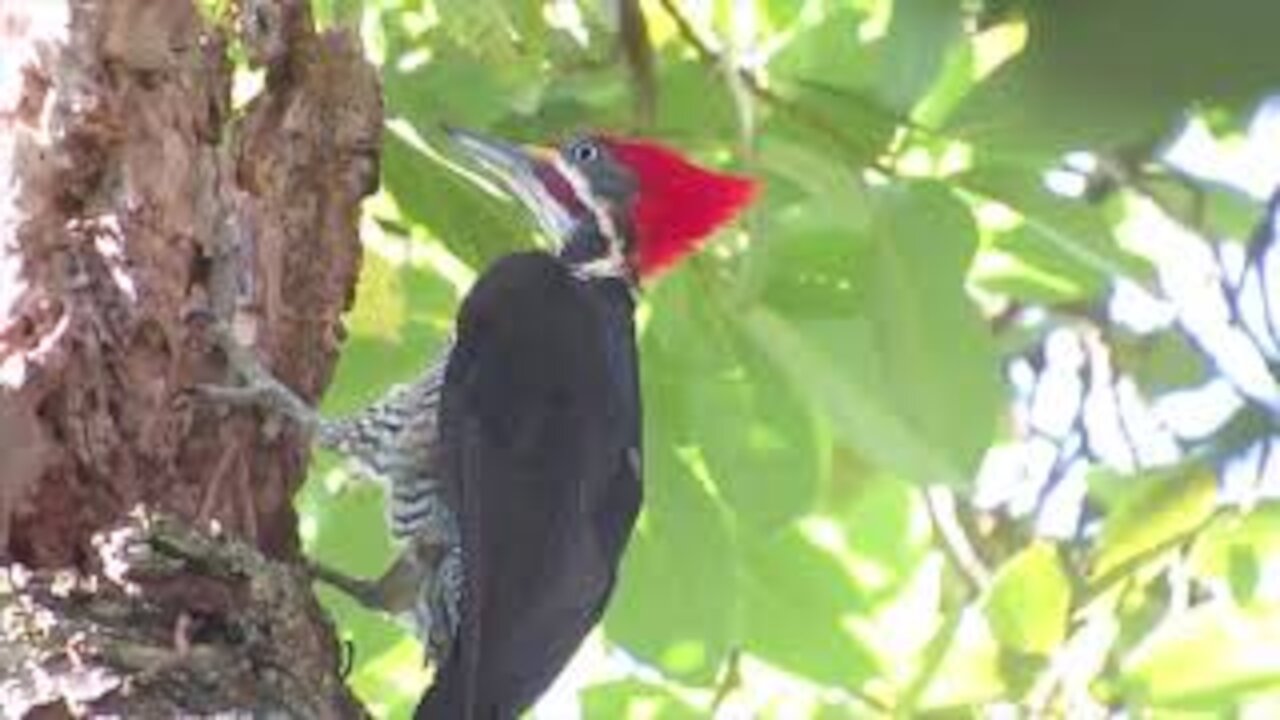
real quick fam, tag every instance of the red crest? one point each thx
(678, 204)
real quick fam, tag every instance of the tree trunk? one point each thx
(136, 207)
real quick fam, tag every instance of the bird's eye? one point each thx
(584, 152)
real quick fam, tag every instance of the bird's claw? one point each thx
(241, 395)
(259, 389)
(365, 592)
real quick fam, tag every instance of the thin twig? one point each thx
(959, 549)
(934, 654)
(729, 682)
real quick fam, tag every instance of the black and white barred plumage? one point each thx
(394, 442)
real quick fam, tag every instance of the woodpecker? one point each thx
(514, 462)
(540, 417)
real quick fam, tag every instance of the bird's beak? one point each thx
(523, 170)
(511, 164)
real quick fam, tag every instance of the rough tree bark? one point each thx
(137, 206)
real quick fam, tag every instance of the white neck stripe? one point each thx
(614, 263)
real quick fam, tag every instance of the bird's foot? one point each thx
(260, 388)
(423, 584)
(369, 593)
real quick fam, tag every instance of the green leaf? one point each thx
(682, 540)
(781, 13)
(939, 360)
(804, 252)
(768, 461)
(1114, 72)
(1066, 240)
(921, 33)
(1029, 601)
(759, 438)
(798, 602)
(1214, 209)
(836, 194)
(1148, 513)
(1019, 265)
(694, 102)
(1208, 658)
(501, 30)
(856, 411)
(955, 81)
(391, 683)
(829, 51)
(911, 381)
(809, 274)
(826, 73)
(1240, 549)
(381, 307)
(969, 671)
(401, 316)
(456, 84)
(1161, 362)
(623, 699)
(887, 532)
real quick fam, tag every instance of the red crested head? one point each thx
(615, 207)
(677, 204)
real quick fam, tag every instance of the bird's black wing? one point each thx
(539, 435)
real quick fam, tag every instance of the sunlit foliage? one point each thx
(975, 407)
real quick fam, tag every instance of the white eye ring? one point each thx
(584, 152)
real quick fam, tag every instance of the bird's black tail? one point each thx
(452, 695)
(444, 701)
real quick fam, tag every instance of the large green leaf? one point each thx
(1148, 513)
(829, 51)
(939, 361)
(826, 80)
(1029, 599)
(682, 541)
(799, 600)
(1241, 549)
(401, 316)
(857, 411)
(694, 102)
(810, 274)
(1112, 72)
(1207, 658)
(677, 599)
(920, 35)
(907, 374)
(503, 31)
(969, 671)
(635, 700)
(811, 228)
(886, 533)
(456, 84)
(757, 435)
(780, 13)
(1063, 246)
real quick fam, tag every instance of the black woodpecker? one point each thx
(513, 464)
